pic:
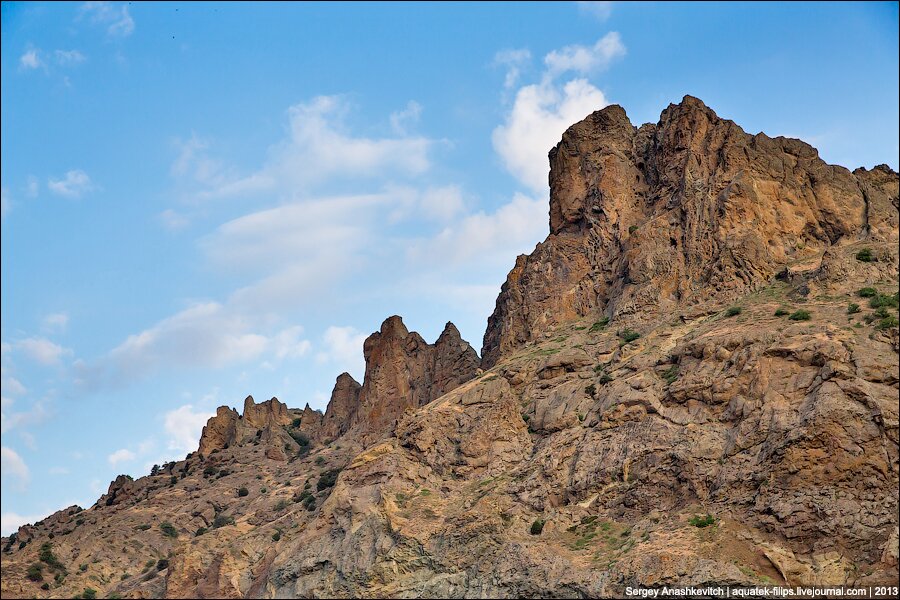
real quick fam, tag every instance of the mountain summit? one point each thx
(692, 381)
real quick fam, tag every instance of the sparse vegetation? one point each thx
(281, 505)
(143, 527)
(296, 423)
(781, 312)
(35, 572)
(320, 460)
(883, 301)
(301, 438)
(605, 378)
(632, 229)
(887, 323)
(200, 531)
(867, 292)
(47, 557)
(276, 536)
(221, 521)
(590, 390)
(865, 255)
(537, 526)
(327, 479)
(800, 315)
(599, 325)
(852, 308)
(670, 374)
(243, 491)
(733, 311)
(702, 521)
(162, 564)
(168, 529)
(628, 335)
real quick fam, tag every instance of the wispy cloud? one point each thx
(121, 456)
(68, 58)
(12, 465)
(55, 322)
(75, 184)
(343, 347)
(112, 15)
(585, 59)
(513, 60)
(31, 59)
(42, 350)
(599, 10)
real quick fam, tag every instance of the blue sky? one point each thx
(205, 201)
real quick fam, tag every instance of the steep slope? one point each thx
(692, 381)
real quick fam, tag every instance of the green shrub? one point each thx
(670, 374)
(628, 335)
(867, 292)
(800, 315)
(276, 536)
(733, 311)
(83, 567)
(311, 505)
(327, 479)
(865, 255)
(632, 229)
(852, 308)
(883, 300)
(526, 417)
(35, 572)
(46, 556)
(162, 564)
(200, 531)
(222, 521)
(296, 422)
(605, 378)
(599, 325)
(281, 505)
(143, 527)
(243, 491)
(537, 527)
(320, 460)
(168, 529)
(698, 521)
(301, 438)
(887, 323)
(781, 312)
(45, 586)
(589, 390)
(89, 593)
(210, 470)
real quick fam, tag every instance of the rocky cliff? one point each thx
(692, 381)
(678, 216)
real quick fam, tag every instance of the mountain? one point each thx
(693, 380)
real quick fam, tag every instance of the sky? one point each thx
(205, 201)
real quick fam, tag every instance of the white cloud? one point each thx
(401, 120)
(344, 348)
(10, 521)
(68, 58)
(13, 465)
(317, 149)
(511, 229)
(442, 203)
(32, 187)
(120, 456)
(42, 350)
(173, 220)
(585, 59)
(113, 15)
(74, 185)
(539, 116)
(55, 322)
(10, 419)
(599, 10)
(31, 59)
(513, 60)
(183, 426)
(204, 335)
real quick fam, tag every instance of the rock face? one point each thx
(684, 213)
(405, 372)
(693, 381)
(342, 407)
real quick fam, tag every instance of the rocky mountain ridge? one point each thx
(692, 381)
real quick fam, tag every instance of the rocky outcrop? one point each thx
(682, 214)
(265, 421)
(342, 407)
(404, 372)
